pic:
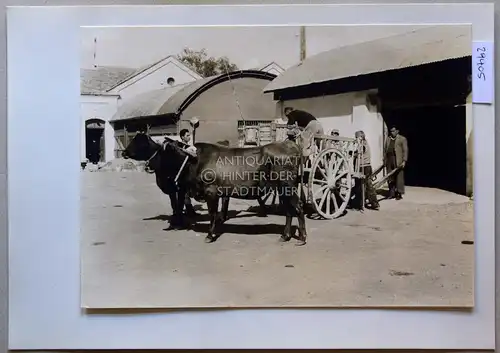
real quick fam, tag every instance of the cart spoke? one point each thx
(319, 190)
(323, 172)
(341, 174)
(328, 193)
(331, 164)
(323, 182)
(323, 198)
(266, 197)
(275, 195)
(323, 169)
(322, 161)
(338, 163)
(334, 199)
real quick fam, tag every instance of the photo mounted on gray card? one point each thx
(297, 166)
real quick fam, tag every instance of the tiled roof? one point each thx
(99, 80)
(142, 69)
(104, 79)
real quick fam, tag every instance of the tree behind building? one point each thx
(206, 65)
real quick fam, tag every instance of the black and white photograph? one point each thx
(276, 166)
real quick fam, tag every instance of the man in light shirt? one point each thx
(366, 170)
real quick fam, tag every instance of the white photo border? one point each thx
(43, 198)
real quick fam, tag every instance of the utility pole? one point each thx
(95, 52)
(302, 43)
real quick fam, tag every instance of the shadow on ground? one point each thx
(384, 193)
(242, 229)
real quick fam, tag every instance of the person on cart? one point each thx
(308, 122)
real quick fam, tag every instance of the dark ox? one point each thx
(245, 173)
(143, 148)
(225, 201)
(282, 159)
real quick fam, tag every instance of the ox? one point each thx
(225, 201)
(220, 172)
(145, 149)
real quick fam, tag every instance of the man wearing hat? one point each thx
(335, 143)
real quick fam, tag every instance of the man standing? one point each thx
(306, 121)
(190, 211)
(366, 170)
(186, 138)
(395, 157)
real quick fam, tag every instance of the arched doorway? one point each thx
(94, 140)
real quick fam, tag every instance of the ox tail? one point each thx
(302, 199)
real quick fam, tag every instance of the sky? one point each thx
(247, 47)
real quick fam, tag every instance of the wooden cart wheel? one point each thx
(270, 199)
(330, 183)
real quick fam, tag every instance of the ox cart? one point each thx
(330, 170)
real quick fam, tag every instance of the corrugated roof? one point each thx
(99, 80)
(417, 47)
(173, 104)
(173, 100)
(148, 103)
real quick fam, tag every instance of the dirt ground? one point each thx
(410, 253)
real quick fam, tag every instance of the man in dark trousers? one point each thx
(306, 121)
(190, 211)
(395, 157)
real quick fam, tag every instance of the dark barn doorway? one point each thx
(94, 140)
(436, 143)
(428, 105)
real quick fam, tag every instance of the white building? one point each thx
(104, 89)
(419, 81)
(273, 68)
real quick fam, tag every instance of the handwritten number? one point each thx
(481, 60)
